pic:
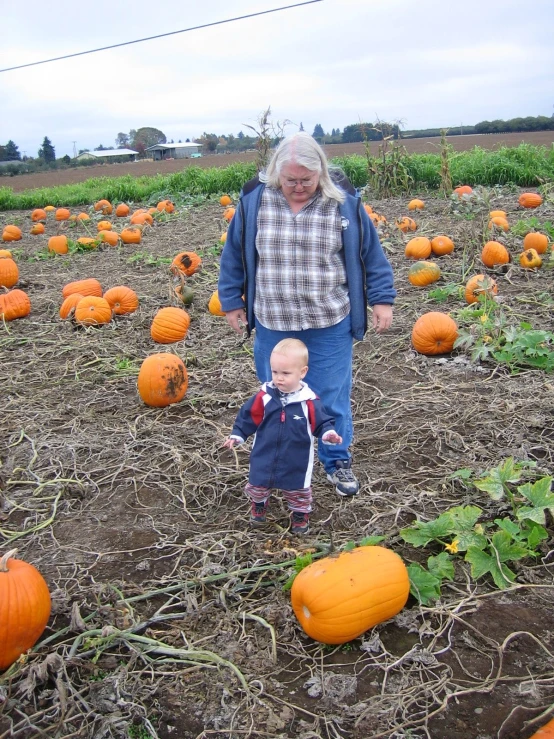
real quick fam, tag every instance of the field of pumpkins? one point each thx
(163, 609)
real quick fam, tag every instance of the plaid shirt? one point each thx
(301, 277)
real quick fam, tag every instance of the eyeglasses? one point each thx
(294, 183)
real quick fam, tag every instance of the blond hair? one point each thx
(292, 346)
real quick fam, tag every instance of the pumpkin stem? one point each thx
(4, 560)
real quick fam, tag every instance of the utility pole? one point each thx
(74, 150)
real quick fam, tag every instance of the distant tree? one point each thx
(47, 152)
(187, 141)
(240, 135)
(318, 133)
(148, 136)
(101, 148)
(66, 159)
(209, 141)
(122, 141)
(10, 152)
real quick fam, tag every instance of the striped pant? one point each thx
(297, 500)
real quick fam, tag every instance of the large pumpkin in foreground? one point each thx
(434, 333)
(24, 607)
(339, 597)
(162, 380)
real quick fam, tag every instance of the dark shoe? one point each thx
(257, 513)
(344, 479)
(300, 523)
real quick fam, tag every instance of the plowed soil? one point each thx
(169, 617)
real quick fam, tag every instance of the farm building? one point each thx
(174, 151)
(107, 154)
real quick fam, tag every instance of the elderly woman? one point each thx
(303, 260)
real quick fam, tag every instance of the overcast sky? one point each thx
(333, 62)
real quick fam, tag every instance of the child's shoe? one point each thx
(257, 513)
(300, 523)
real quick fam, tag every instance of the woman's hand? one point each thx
(237, 319)
(382, 317)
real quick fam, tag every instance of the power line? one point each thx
(161, 35)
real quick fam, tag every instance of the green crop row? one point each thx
(524, 166)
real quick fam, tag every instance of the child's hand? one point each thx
(230, 443)
(331, 437)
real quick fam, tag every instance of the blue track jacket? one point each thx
(282, 454)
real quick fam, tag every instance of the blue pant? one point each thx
(329, 376)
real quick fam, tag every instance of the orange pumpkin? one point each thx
(169, 325)
(38, 215)
(122, 210)
(418, 248)
(406, 224)
(442, 245)
(83, 217)
(166, 206)
(87, 241)
(108, 237)
(536, 241)
(499, 223)
(423, 273)
(186, 263)
(338, 598)
(69, 304)
(93, 311)
(104, 206)
(38, 228)
(498, 213)
(122, 299)
(223, 237)
(14, 304)
(368, 209)
(5, 253)
(480, 285)
(139, 219)
(12, 233)
(225, 200)
(104, 226)
(416, 204)
(48, 208)
(463, 190)
(58, 244)
(90, 286)
(545, 732)
(214, 305)
(131, 235)
(24, 607)
(9, 272)
(62, 214)
(494, 253)
(162, 380)
(529, 259)
(377, 218)
(228, 214)
(530, 200)
(434, 333)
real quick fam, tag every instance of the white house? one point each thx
(108, 154)
(174, 151)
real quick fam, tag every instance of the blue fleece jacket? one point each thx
(368, 271)
(282, 455)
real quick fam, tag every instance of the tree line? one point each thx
(140, 139)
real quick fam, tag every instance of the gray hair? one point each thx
(302, 149)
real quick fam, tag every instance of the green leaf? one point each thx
(441, 566)
(423, 585)
(531, 514)
(482, 563)
(468, 539)
(421, 533)
(465, 517)
(495, 482)
(535, 534)
(349, 546)
(506, 548)
(539, 493)
(370, 541)
(463, 474)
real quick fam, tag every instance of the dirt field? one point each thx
(68, 176)
(169, 615)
